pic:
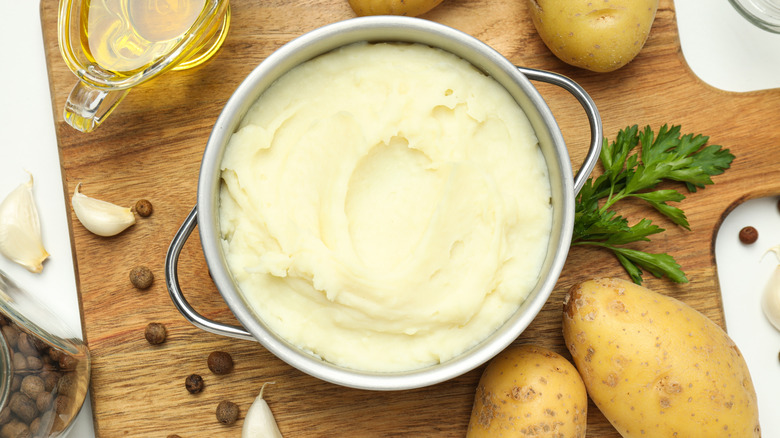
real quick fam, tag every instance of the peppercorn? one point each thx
(32, 385)
(194, 383)
(174, 436)
(43, 401)
(143, 208)
(141, 277)
(34, 426)
(16, 382)
(67, 362)
(51, 380)
(15, 428)
(227, 412)
(155, 333)
(61, 404)
(11, 334)
(5, 415)
(25, 345)
(20, 362)
(55, 354)
(23, 406)
(67, 384)
(748, 235)
(34, 363)
(220, 362)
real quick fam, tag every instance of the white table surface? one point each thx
(724, 50)
(28, 144)
(743, 272)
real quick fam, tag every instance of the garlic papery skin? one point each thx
(259, 421)
(101, 217)
(20, 229)
(770, 301)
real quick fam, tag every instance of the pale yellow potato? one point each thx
(529, 391)
(410, 8)
(598, 35)
(655, 366)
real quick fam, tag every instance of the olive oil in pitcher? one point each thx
(125, 36)
(114, 45)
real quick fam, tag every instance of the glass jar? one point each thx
(762, 13)
(44, 367)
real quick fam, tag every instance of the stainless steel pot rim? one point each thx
(324, 39)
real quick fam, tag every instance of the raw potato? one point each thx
(529, 391)
(410, 8)
(655, 366)
(598, 35)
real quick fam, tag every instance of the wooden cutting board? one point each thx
(151, 148)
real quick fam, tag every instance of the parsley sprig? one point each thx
(634, 164)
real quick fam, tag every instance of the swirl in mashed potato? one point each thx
(385, 206)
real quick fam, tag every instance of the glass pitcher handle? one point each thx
(88, 106)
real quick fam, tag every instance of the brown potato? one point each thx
(410, 8)
(529, 391)
(655, 366)
(601, 35)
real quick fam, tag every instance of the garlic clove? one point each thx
(101, 217)
(259, 421)
(20, 229)
(770, 300)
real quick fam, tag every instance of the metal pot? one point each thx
(401, 29)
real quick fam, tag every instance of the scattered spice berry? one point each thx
(227, 412)
(141, 277)
(155, 333)
(220, 362)
(748, 235)
(174, 436)
(194, 383)
(143, 208)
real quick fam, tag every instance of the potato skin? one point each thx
(529, 391)
(597, 35)
(655, 366)
(410, 8)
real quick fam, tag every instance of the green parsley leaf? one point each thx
(634, 164)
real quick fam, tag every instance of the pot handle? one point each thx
(172, 280)
(594, 119)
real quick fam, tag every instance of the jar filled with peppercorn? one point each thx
(44, 367)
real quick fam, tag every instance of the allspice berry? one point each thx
(23, 407)
(143, 208)
(227, 412)
(15, 428)
(220, 362)
(67, 362)
(193, 383)
(43, 401)
(155, 333)
(141, 277)
(748, 235)
(32, 386)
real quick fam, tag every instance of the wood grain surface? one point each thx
(151, 148)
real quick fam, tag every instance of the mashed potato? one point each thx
(385, 206)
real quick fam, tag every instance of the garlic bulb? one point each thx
(20, 229)
(259, 421)
(101, 217)
(770, 301)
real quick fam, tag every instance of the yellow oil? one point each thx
(125, 36)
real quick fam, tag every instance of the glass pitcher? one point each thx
(113, 45)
